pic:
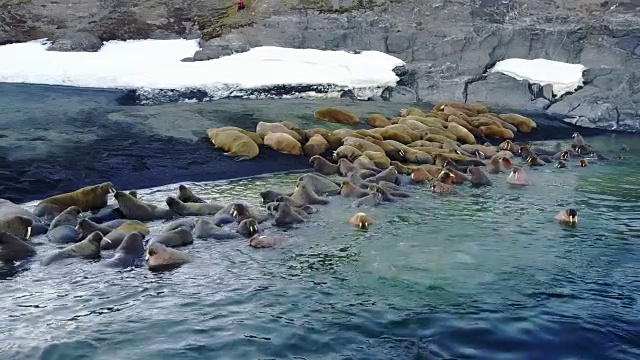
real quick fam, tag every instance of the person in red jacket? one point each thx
(241, 5)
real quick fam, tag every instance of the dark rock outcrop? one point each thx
(449, 46)
(79, 41)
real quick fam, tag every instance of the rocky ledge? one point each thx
(449, 46)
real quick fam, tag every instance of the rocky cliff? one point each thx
(449, 45)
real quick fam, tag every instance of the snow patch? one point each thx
(563, 77)
(154, 68)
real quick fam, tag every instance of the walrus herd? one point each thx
(439, 149)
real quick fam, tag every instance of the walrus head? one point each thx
(173, 203)
(572, 215)
(561, 164)
(361, 221)
(506, 162)
(133, 244)
(248, 228)
(446, 177)
(419, 175)
(238, 210)
(109, 187)
(583, 163)
(22, 222)
(96, 237)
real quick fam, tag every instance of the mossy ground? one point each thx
(214, 23)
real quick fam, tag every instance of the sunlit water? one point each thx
(484, 274)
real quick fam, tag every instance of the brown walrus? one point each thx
(349, 190)
(174, 238)
(478, 177)
(88, 248)
(88, 198)
(267, 241)
(12, 248)
(323, 166)
(304, 194)
(135, 209)
(19, 226)
(160, 257)
(361, 221)
(187, 196)
(286, 216)
(191, 209)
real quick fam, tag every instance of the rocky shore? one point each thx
(448, 45)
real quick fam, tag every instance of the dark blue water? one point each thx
(486, 274)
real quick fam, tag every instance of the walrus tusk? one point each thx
(146, 258)
(112, 190)
(28, 232)
(77, 227)
(233, 212)
(107, 240)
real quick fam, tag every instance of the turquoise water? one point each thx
(485, 274)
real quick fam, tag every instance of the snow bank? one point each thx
(563, 77)
(155, 66)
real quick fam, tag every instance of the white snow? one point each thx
(563, 77)
(150, 65)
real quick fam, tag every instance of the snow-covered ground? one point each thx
(563, 77)
(152, 66)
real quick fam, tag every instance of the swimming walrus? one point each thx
(478, 177)
(187, 224)
(174, 238)
(373, 199)
(187, 196)
(267, 241)
(319, 184)
(569, 217)
(248, 227)
(390, 175)
(160, 257)
(66, 217)
(17, 225)
(206, 229)
(439, 187)
(518, 177)
(114, 238)
(134, 209)
(241, 212)
(191, 209)
(269, 196)
(308, 209)
(305, 195)
(361, 221)
(87, 199)
(12, 248)
(286, 216)
(323, 166)
(384, 194)
(273, 209)
(561, 164)
(88, 248)
(129, 253)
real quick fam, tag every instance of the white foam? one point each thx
(563, 77)
(155, 65)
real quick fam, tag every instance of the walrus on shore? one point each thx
(87, 198)
(523, 123)
(241, 212)
(114, 238)
(378, 121)
(362, 145)
(19, 226)
(518, 177)
(335, 115)
(569, 217)
(191, 209)
(252, 135)
(174, 238)
(8, 209)
(346, 167)
(235, 144)
(361, 221)
(129, 253)
(267, 241)
(134, 209)
(187, 196)
(86, 227)
(160, 257)
(305, 194)
(323, 166)
(67, 217)
(248, 228)
(390, 175)
(478, 177)
(316, 145)
(13, 249)
(206, 229)
(88, 248)
(111, 212)
(346, 152)
(264, 128)
(286, 216)
(187, 224)
(283, 143)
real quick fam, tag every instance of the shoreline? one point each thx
(57, 140)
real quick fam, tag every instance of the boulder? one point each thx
(77, 42)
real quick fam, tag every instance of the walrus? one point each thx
(334, 115)
(562, 155)
(534, 160)
(129, 253)
(88, 248)
(13, 249)
(316, 146)
(391, 152)
(569, 217)
(561, 164)
(419, 175)
(390, 175)
(362, 145)
(323, 166)
(110, 212)
(523, 123)
(458, 176)
(361, 221)
(493, 131)
(583, 163)
(114, 238)
(9, 209)
(273, 209)
(402, 169)
(462, 135)
(416, 156)
(357, 180)
(283, 143)
(379, 160)
(267, 241)
(411, 111)
(495, 166)
(373, 199)
(187, 196)
(518, 177)
(346, 167)
(64, 234)
(478, 177)
(296, 204)
(241, 212)
(478, 108)
(264, 128)
(88, 198)
(86, 227)
(160, 257)
(349, 190)
(192, 209)
(378, 121)
(206, 229)
(442, 188)
(286, 216)
(235, 144)
(271, 196)
(509, 146)
(18, 225)
(134, 209)
(319, 184)
(363, 162)
(346, 152)
(305, 194)
(393, 189)
(66, 217)
(500, 122)
(174, 238)
(248, 227)
(384, 194)
(252, 135)
(187, 224)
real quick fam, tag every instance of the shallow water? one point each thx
(484, 274)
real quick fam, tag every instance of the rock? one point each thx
(224, 46)
(501, 91)
(80, 41)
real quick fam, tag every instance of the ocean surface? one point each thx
(484, 274)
